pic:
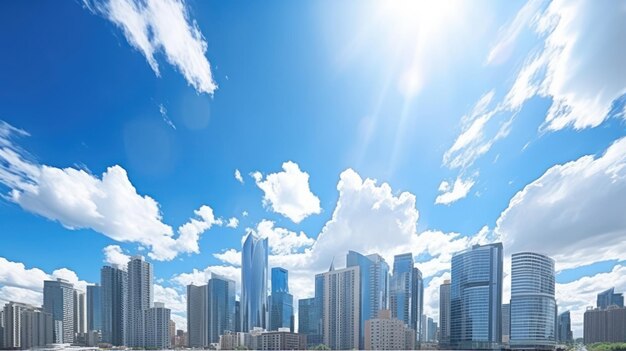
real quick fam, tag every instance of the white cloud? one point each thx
(457, 191)
(233, 222)
(198, 277)
(166, 118)
(288, 192)
(230, 256)
(238, 176)
(108, 204)
(575, 210)
(154, 26)
(114, 256)
(577, 295)
(282, 241)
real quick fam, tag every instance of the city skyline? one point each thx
(366, 127)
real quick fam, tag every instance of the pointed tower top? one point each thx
(332, 265)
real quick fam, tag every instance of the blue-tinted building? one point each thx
(58, 300)
(401, 289)
(564, 328)
(374, 277)
(417, 305)
(114, 285)
(221, 306)
(94, 309)
(476, 298)
(308, 321)
(610, 298)
(281, 301)
(533, 305)
(254, 276)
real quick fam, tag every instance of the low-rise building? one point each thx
(608, 325)
(386, 333)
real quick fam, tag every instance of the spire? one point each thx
(332, 265)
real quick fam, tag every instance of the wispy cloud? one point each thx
(452, 193)
(166, 118)
(153, 26)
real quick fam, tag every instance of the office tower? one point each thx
(308, 321)
(444, 313)
(171, 329)
(417, 304)
(58, 300)
(432, 330)
(387, 333)
(114, 294)
(606, 325)
(80, 313)
(197, 316)
(609, 298)
(254, 283)
(476, 298)
(506, 323)
(94, 309)
(237, 316)
(341, 314)
(401, 289)
(533, 305)
(140, 298)
(319, 308)
(281, 301)
(156, 327)
(26, 326)
(221, 306)
(374, 277)
(564, 328)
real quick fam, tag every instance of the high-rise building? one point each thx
(2, 327)
(609, 298)
(444, 314)
(401, 289)
(58, 300)
(319, 307)
(156, 327)
(254, 276)
(237, 316)
(341, 312)
(197, 316)
(374, 277)
(281, 301)
(221, 306)
(114, 286)
(172, 332)
(387, 333)
(140, 298)
(533, 305)
(80, 314)
(26, 326)
(94, 309)
(308, 321)
(564, 328)
(506, 323)
(430, 331)
(606, 325)
(476, 298)
(417, 304)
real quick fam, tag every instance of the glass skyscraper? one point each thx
(609, 298)
(140, 298)
(564, 328)
(254, 276)
(533, 306)
(401, 289)
(308, 321)
(58, 300)
(476, 298)
(281, 301)
(444, 313)
(221, 305)
(197, 316)
(114, 285)
(94, 309)
(374, 276)
(417, 304)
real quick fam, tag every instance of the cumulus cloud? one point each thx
(115, 256)
(282, 241)
(162, 26)
(109, 204)
(575, 210)
(455, 192)
(233, 222)
(238, 176)
(288, 192)
(230, 256)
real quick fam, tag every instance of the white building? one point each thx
(386, 333)
(341, 308)
(140, 298)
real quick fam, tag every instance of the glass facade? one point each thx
(221, 306)
(281, 301)
(114, 284)
(417, 305)
(609, 298)
(564, 330)
(58, 300)
(401, 288)
(476, 298)
(94, 314)
(280, 280)
(254, 276)
(533, 306)
(444, 313)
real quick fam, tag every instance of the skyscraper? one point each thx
(281, 301)
(80, 313)
(476, 298)
(254, 273)
(444, 313)
(341, 314)
(374, 277)
(58, 300)
(506, 323)
(417, 304)
(609, 297)
(26, 326)
(308, 321)
(401, 289)
(140, 298)
(156, 327)
(197, 316)
(533, 305)
(564, 328)
(114, 294)
(221, 306)
(94, 309)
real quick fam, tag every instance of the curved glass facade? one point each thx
(476, 298)
(254, 278)
(533, 306)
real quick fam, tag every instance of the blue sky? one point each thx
(406, 126)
